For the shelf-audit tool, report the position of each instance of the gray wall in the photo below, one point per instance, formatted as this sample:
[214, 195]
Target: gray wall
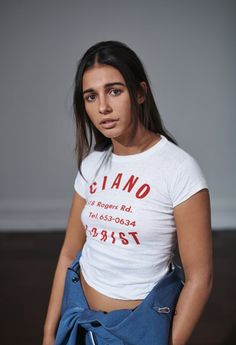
[188, 48]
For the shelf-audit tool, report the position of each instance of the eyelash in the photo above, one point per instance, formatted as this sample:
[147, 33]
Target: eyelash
[87, 98]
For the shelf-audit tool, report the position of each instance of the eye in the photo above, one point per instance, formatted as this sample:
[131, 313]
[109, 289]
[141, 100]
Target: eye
[115, 92]
[90, 98]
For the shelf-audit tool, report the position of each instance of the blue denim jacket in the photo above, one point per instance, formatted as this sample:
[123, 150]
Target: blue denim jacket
[147, 324]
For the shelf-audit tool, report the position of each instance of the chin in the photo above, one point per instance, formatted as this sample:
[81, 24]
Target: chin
[111, 134]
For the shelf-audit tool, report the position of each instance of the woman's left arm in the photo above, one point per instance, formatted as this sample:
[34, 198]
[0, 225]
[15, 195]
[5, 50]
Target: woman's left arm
[193, 224]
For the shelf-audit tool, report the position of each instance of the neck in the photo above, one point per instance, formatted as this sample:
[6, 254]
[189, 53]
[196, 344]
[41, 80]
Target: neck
[142, 141]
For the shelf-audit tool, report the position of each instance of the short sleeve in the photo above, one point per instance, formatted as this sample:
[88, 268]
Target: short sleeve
[187, 180]
[80, 185]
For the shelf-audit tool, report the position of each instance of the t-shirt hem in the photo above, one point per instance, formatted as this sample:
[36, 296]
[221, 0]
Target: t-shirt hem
[81, 194]
[115, 296]
[191, 193]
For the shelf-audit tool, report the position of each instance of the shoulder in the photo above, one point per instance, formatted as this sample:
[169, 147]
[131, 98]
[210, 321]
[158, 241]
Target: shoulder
[183, 172]
[174, 156]
[93, 161]
[173, 159]
[178, 162]
[90, 165]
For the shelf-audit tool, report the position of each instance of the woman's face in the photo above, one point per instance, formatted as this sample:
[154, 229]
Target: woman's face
[107, 100]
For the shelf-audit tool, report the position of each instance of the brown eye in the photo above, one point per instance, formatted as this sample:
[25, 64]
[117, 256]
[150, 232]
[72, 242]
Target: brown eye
[115, 92]
[90, 98]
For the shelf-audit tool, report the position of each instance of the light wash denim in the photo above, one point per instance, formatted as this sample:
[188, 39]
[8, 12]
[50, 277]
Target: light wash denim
[148, 324]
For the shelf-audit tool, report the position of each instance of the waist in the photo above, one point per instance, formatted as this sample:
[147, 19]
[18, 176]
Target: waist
[100, 302]
[122, 274]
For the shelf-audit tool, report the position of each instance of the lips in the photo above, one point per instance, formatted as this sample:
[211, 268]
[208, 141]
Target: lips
[108, 123]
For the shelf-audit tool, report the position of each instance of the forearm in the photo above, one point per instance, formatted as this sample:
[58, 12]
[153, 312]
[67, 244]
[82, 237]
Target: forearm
[54, 307]
[192, 300]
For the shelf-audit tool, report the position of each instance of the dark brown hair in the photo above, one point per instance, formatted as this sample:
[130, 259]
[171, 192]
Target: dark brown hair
[120, 56]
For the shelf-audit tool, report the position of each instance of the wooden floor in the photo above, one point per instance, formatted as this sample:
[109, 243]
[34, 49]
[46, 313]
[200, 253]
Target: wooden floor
[27, 263]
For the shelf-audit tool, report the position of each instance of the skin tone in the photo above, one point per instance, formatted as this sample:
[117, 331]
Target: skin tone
[108, 106]
[107, 103]
[106, 97]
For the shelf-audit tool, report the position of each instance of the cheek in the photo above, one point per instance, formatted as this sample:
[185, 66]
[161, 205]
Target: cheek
[87, 107]
[125, 110]
[90, 111]
[122, 105]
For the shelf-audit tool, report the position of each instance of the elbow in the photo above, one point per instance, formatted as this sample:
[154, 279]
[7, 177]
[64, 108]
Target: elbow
[208, 284]
[201, 282]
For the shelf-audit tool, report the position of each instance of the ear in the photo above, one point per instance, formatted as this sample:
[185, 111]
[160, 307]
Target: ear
[141, 96]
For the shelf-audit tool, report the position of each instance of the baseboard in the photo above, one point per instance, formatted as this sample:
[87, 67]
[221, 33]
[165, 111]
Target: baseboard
[223, 213]
[27, 215]
[43, 215]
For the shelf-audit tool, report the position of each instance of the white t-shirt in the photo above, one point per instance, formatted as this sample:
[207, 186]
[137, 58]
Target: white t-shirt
[128, 217]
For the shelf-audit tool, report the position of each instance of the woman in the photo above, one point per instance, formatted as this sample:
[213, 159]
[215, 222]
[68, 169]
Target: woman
[135, 194]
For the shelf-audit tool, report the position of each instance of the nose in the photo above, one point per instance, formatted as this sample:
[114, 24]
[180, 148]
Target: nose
[104, 107]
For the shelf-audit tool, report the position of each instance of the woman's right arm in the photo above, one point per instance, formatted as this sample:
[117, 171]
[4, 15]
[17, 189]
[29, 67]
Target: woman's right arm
[73, 242]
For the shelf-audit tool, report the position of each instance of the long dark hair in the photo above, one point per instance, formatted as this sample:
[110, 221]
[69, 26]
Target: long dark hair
[120, 56]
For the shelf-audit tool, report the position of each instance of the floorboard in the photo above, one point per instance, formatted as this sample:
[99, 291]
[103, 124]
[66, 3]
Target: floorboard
[27, 263]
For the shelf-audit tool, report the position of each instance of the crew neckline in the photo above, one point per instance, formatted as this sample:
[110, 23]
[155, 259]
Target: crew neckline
[136, 156]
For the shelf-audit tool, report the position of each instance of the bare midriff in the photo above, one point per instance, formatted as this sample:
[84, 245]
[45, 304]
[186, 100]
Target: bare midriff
[100, 302]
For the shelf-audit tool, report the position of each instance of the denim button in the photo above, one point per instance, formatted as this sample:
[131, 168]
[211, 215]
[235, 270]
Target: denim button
[162, 310]
[75, 279]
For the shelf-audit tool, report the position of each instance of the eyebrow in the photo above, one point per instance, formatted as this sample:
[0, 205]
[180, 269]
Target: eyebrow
[105, 86]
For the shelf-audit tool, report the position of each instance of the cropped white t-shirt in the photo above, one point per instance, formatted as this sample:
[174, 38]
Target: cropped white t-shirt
[128, 216]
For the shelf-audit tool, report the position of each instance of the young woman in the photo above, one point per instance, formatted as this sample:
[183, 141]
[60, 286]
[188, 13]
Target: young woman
[136, 193]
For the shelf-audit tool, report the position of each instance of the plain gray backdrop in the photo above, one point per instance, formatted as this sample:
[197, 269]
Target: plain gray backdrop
[188, 50]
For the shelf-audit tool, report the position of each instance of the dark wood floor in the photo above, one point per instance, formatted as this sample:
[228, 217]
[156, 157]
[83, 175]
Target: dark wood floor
[27, 263]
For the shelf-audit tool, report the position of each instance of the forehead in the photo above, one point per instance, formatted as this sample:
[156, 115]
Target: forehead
[99, 75]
